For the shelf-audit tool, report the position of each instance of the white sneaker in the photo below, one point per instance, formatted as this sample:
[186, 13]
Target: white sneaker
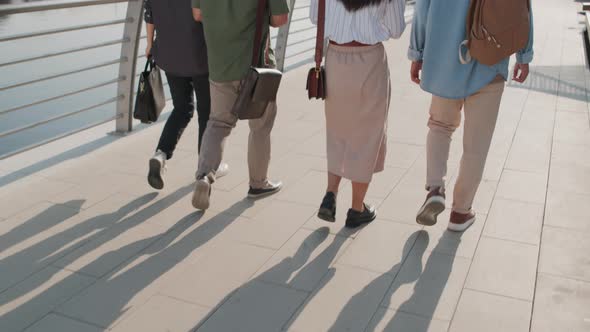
[202, 193]
[222, 170]
[460, 222]
[157, 168]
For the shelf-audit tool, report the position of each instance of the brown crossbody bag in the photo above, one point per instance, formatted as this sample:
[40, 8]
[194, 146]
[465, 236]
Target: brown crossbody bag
[316, 78]
[261, 84]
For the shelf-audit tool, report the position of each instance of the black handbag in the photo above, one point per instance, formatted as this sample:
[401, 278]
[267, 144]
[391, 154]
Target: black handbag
[150, 99]
[260, 85]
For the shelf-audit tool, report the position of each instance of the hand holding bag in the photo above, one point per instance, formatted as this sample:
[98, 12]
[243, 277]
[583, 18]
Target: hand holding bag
[150, 99]
[316, 78]
[261, 85]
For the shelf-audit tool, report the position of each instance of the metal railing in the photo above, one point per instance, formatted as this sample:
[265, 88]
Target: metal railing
[294, 45]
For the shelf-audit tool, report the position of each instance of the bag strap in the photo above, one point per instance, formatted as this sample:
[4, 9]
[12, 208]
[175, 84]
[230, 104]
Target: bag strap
[319, 41]
[258, 36]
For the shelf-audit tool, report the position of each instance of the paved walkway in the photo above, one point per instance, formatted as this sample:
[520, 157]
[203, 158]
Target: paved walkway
[85, 245]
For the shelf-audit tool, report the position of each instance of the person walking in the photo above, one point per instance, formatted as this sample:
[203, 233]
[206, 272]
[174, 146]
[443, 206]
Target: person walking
[176, 43]
[229, 27]
[438, 31]
[358, 96]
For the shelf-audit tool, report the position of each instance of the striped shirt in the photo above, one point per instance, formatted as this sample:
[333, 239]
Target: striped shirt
[368, 25]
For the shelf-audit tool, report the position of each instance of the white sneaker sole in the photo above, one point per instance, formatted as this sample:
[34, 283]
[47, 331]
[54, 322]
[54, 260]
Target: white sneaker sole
[428, 213]
[201, 195]
[461, 227]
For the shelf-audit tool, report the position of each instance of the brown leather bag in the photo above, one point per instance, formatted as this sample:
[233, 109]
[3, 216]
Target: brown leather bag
[316, 78]
[496, 29]
[261, 84]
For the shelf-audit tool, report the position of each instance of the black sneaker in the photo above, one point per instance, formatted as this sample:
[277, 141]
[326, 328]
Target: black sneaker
[355, 219]
[268, 189]
[327, 210]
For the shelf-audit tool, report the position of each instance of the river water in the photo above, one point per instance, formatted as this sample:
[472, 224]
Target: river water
[301, 39]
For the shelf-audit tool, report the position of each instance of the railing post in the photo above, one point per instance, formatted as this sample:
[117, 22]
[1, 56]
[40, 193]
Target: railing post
[282, 39]
[126, 87]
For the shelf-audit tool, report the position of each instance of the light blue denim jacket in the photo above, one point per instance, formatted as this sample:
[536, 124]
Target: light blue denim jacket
[437, 32]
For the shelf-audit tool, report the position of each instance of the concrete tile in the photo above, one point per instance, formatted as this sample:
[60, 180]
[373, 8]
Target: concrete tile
[428, 285]
[236, 203]
[494, 167]
[345, 300]
[403, 203]
[529, 152]
[490, 313]
[26, 193]
[565, 253]
[522, 186]
[114, 247]
[27, 226]
[387, 320]
[567, 210]
[569, 179]
[118, 294]
[484, 196]
[53, 322]
[162, 313]
[504, 268]
[256, 306]
[572, 128]
[402, 155]
[443, 241]
[308, 190]
[561, 305]
[379, 237]
[303, 261]
[273, 226]
[383, 183]
[515, 221]
[48, 244]
[570, 155]
[35, 297]
[213, 276]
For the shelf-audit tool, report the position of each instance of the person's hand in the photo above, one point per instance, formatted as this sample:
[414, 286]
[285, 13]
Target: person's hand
[415, 71]
[521, 72]
[148, 50]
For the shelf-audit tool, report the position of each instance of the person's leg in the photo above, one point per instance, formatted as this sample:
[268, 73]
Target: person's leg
[327, 209]
[259, 149]
[445, 117]
[359, 191]
[202, 91]
[181, 90]
[333, 183]
[481, 113]
[220, 125]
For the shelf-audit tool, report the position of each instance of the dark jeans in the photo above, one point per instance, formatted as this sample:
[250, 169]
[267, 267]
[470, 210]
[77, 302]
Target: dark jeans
[181, 89]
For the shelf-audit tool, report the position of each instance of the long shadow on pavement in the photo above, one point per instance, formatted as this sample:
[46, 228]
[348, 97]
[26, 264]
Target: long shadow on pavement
[126, 280]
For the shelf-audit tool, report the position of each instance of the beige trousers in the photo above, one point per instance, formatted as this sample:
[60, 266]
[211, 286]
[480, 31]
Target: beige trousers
[357, 105]
[481, 112]
[222, 121]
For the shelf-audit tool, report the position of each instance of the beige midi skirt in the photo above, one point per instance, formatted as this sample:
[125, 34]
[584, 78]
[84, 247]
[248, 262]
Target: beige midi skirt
[358, 94]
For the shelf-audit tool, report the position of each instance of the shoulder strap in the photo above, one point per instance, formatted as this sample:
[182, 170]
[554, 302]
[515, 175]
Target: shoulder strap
[258, 36]
[319, 41]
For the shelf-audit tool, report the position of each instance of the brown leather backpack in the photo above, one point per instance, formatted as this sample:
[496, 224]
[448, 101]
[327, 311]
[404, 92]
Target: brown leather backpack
[496, 29]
